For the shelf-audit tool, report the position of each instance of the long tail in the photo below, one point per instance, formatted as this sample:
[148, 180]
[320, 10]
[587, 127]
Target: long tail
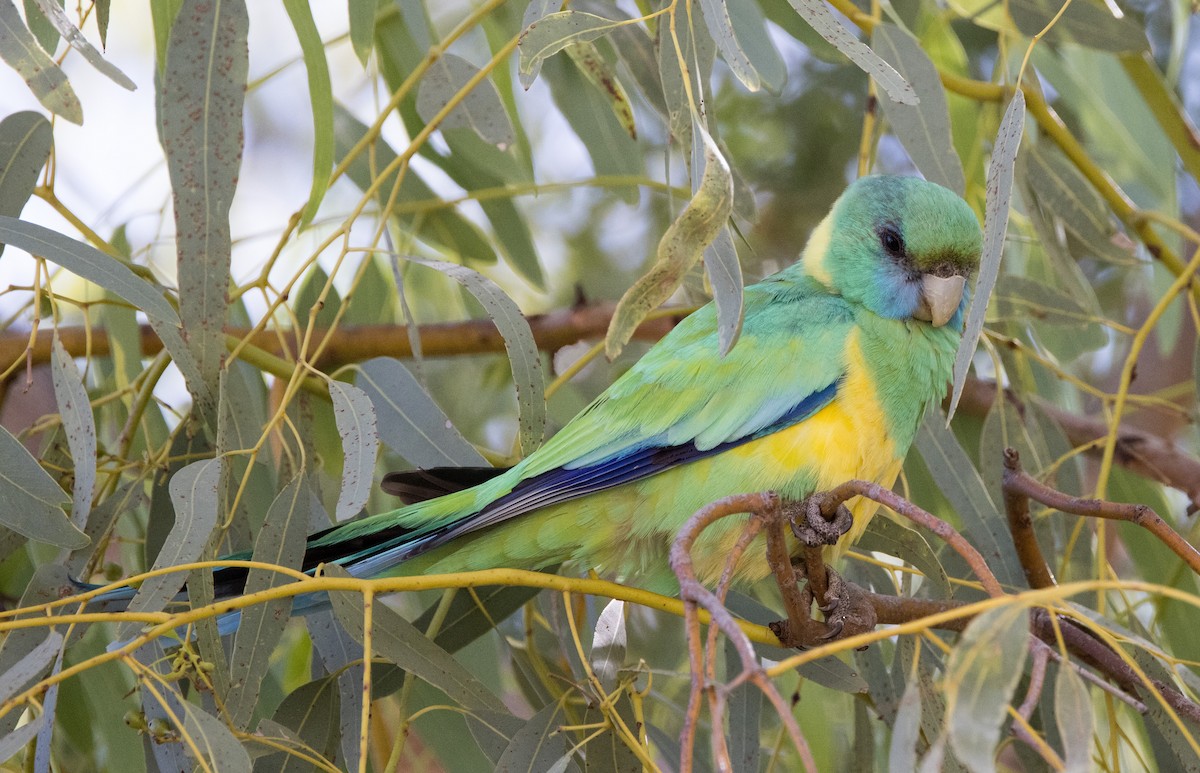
[410, 486]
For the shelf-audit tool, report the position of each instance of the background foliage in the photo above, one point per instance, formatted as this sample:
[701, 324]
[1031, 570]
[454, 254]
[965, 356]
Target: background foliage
[208, 363]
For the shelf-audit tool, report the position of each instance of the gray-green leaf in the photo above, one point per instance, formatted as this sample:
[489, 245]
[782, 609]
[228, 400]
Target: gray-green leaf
[999, 194]
[32, 500]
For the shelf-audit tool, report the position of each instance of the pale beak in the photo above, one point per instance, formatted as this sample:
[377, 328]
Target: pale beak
[940, 297]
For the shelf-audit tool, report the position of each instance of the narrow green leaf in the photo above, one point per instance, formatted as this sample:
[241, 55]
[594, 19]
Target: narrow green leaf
[31, 666]
[410, 422]
[400, 642]
[981, 675]
[725, 275]
[125, 499]
[523, 355]
[958, 479]
[1073, 714]
[537, 746]
[25, 142]
[320, 95]
[89, 263]
[681, 246]
[906, 730]
[1089, 24]
[750, 29]
[215, 742]
[925, 129]
[20, 738]
[45, 33]
[342, 657]
[473, 614]
[1072, 200]
[80, 426]
[32, 500]
[591, 114]
[720, 26]
[21, 51]
[821, 19]
[200, 99]
[355, 418]
[745, 716]
[362, 28]
[280, 542]
[1056, 320]
[194, 496]
[593, 66]
[480, 110]
[887, 536]
[553, 32]
[311, 712]
[70, 33]
[999, 194]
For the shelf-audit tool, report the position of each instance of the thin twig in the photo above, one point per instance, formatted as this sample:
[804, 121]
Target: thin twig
[1019, 482]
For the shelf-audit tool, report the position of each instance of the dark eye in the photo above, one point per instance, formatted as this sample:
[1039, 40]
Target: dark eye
[891, 240]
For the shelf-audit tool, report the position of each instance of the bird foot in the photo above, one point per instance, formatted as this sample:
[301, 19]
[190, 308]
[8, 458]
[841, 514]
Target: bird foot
[848, 611]
[811, 526]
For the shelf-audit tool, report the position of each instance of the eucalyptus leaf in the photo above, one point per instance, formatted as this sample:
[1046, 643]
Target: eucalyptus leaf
[720, 26]
[522, 350]
[320, 94]
[981, 675]
[70, 33]
[80, 426]
[215, 743]
[1073, 715]
[32, 500]
[551, 34]
[906, 730]
[956, 476]
[25, 142]
[400, 642]
[362, 27]
[410, 422]
[311, 712]
[21, 51]
[678, 250]
[200, 98]
[355, 418]
[745, 715]
[999, 194]
[593, 66]
[924, 129]
[609, 642]
[725, 274]
[281, 541]
[194, 496]
[31, 666]
[480, 110]
[538, 746]
[821, 19]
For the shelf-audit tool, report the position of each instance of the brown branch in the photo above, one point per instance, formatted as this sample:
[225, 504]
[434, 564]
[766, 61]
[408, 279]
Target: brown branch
[551, 331]
[1020, 525]
[1022, 484]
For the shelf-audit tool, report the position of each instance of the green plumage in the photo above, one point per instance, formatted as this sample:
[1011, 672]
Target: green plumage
[834, 367]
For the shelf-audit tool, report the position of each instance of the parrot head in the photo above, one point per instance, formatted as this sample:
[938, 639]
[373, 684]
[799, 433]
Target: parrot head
[900, 246]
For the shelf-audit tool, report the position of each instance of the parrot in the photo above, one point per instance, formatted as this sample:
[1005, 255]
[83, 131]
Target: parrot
[838, 357]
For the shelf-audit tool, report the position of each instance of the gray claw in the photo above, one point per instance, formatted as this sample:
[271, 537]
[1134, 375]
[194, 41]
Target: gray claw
[811, 527]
